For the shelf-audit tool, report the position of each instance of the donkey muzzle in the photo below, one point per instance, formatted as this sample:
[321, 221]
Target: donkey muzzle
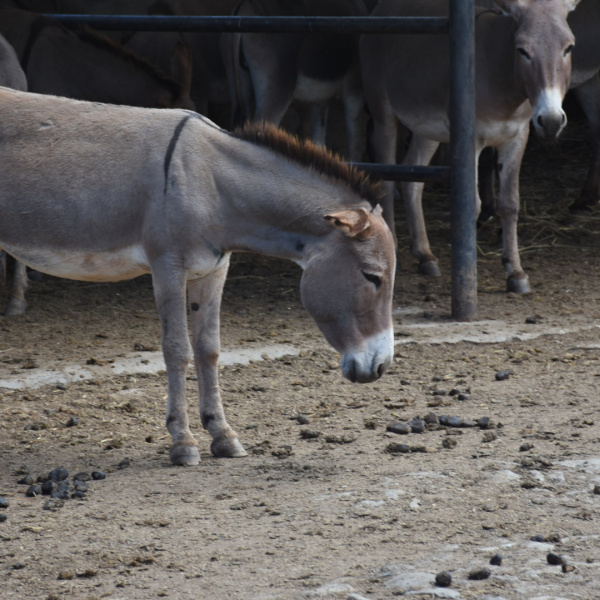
[371, 363]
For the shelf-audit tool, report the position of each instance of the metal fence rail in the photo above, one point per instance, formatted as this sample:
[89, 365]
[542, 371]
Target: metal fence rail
[461, 27]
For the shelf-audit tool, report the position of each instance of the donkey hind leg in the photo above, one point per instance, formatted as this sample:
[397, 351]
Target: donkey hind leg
[16, 301]
[169, 292]
[205, 302]
[588, 95]
[510, 155]
[420, 152]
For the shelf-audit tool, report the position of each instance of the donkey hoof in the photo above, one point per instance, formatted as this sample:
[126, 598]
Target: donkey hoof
[518, 284]
[184, 455]
[15, 307]
[430, 268]
[227, 448]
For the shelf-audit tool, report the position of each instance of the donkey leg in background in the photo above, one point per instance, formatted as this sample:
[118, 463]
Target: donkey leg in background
[169, 292]
[420, 152]
[588, 95]
[204, 296]
[16, 300]
[510, 155]
[354, 115]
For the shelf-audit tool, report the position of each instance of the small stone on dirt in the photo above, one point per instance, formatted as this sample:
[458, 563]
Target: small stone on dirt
[496, 560]
[443, 579]
[72, 422]
[22, 470]
[449, 443]
[431, 419]
[309, 434]
[65, 576]
[97, 475]
[525, 447]
[27, 480]
[3, 517]
[4, 503]
[54, 504]
[451, 421]
[489, 436]
[567, 568]
[479, 574]
[303, 419]
[126, 462]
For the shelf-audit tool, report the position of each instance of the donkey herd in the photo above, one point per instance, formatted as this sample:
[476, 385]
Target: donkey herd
[99, 182]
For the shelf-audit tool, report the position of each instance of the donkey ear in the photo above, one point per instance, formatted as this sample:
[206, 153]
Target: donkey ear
[572, 4]
[353, 222]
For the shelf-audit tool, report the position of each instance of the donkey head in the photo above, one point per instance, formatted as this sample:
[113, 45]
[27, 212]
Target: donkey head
[347, 288]
[543, 44]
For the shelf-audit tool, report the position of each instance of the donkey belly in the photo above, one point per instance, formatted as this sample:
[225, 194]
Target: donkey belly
[114, 265]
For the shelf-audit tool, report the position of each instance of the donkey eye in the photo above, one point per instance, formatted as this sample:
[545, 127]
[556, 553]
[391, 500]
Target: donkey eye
[569, 49]
[374, 279]
[524, 53]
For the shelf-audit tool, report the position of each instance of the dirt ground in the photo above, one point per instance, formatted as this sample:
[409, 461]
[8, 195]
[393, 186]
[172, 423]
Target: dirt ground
[328, 504]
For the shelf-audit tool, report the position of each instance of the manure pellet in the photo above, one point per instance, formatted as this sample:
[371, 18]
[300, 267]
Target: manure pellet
[4, 503]
[525, 447]
[82, 476]
[80, 486]
[484, 423]
[479, 574]
[555, 559]
[496, 560]
[3, 517]
[431, 419]
[97, 475]
[397, 449]
[27, 480]
[538, 537]
[79, 494]
[462, 397]
[34, 490]
[443, 579]
[399, 428]
[303, 419]
[48, 487]
[60, 494]
[502, 375]
[417, 425]
[59, 474]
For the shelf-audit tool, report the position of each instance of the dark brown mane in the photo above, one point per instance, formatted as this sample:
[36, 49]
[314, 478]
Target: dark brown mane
[312, 155]
[86, 34]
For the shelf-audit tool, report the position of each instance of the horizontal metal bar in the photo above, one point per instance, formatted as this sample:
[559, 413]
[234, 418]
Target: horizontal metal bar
[420, 25]
[405, 172]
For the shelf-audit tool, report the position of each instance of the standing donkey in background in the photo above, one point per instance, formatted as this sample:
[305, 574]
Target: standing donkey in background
[103, 193]
[276, 69]
[523, 66]
[12, 76]
[87, 66]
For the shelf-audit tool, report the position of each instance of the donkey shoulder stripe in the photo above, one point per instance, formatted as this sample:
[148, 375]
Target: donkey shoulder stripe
[171, 146]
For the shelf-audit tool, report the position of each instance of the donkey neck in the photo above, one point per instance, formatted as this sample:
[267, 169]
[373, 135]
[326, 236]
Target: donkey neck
[275, 206]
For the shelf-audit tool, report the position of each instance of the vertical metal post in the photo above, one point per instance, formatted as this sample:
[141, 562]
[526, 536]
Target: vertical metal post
[463, 165]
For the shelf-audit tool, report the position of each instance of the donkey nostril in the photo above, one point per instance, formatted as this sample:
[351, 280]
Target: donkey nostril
[540, 121]
[380, 370]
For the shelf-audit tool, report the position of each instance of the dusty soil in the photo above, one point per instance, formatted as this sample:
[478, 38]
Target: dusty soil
[336, 515]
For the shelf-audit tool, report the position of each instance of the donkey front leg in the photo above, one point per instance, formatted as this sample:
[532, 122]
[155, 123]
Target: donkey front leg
[205, 303]
[420, 152]
[169, 291]
[510, 155]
